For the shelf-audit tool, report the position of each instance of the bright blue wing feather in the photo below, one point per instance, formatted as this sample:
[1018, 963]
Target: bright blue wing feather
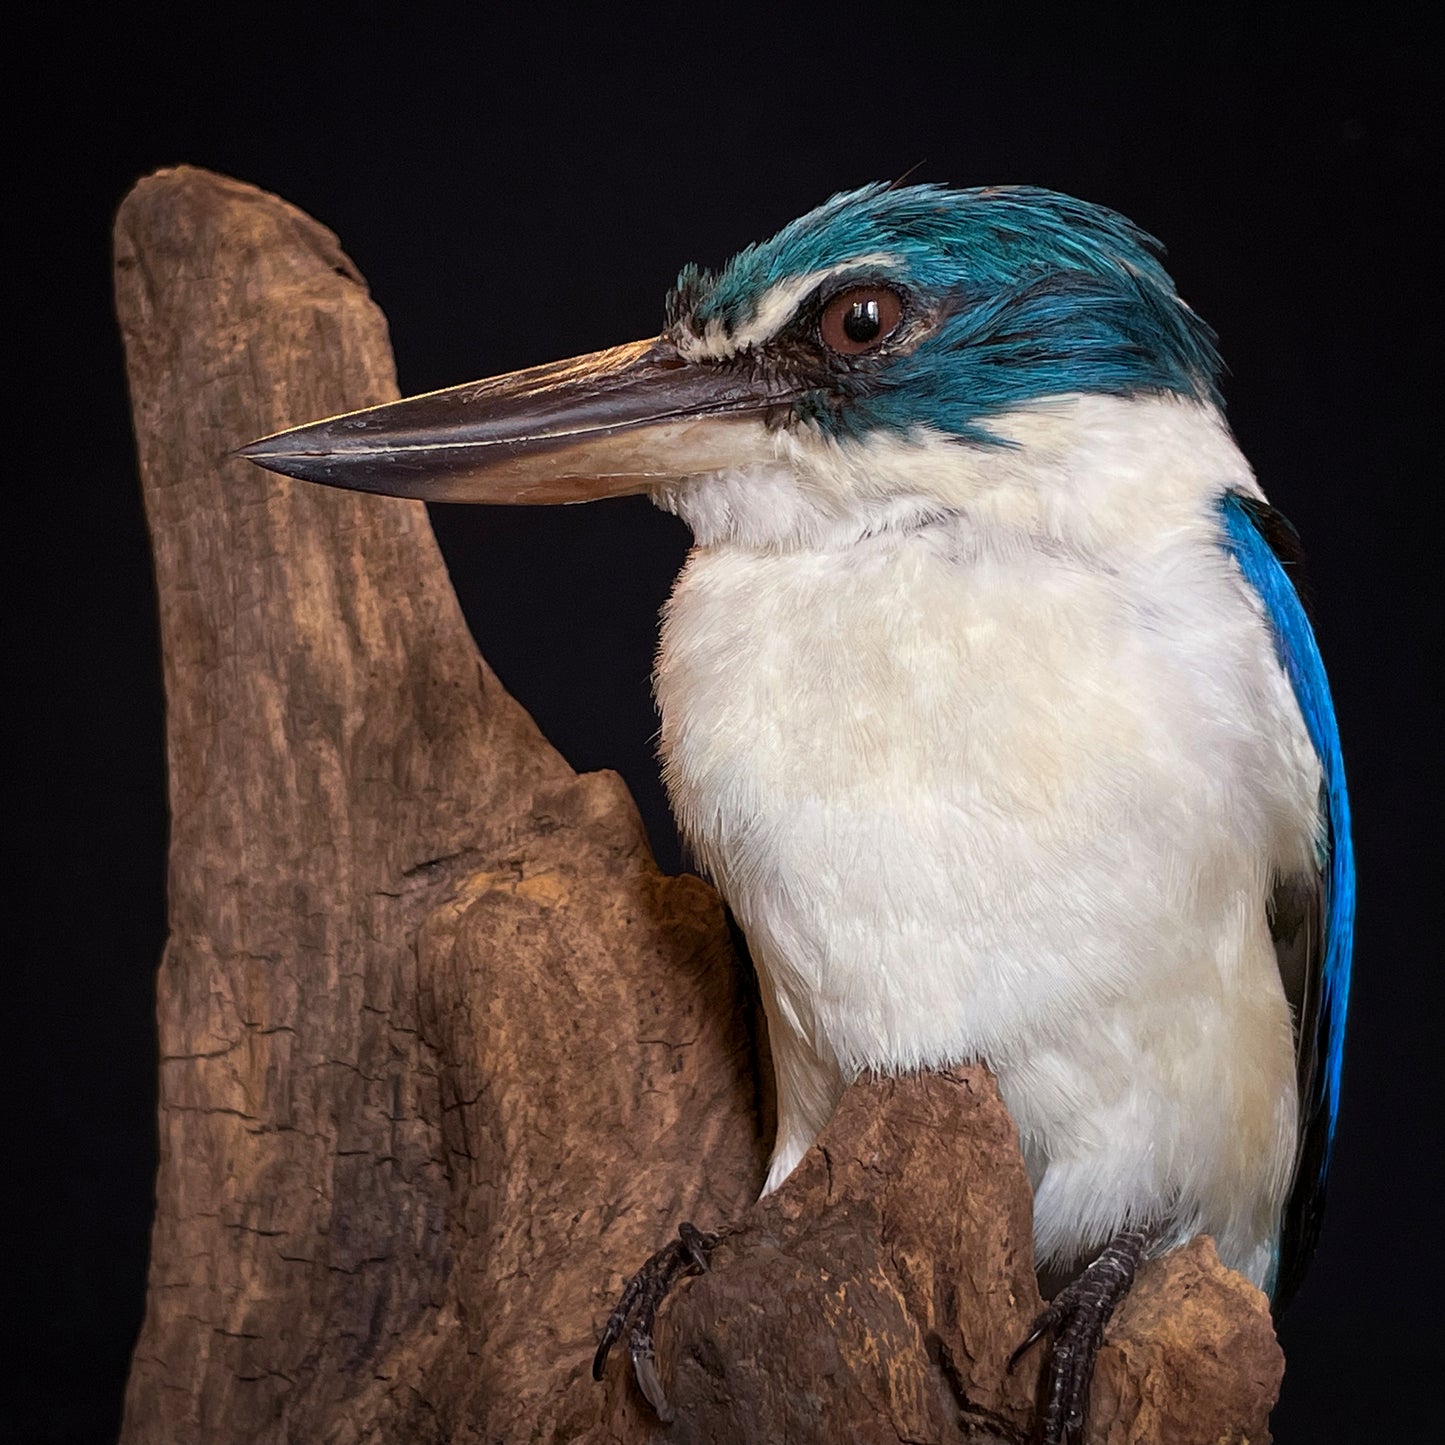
[1321, 1026]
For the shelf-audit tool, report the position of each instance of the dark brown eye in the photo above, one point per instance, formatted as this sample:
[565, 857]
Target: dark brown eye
[860, 320]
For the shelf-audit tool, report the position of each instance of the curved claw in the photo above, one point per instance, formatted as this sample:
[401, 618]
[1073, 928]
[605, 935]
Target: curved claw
[644, 1367]
[604, 1348]
[644, 1293]
[697, 1244]
[1041, 1326]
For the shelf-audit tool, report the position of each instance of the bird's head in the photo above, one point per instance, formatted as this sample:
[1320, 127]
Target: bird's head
[848, 367]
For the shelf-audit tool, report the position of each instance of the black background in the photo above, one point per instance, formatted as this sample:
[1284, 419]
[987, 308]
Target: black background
[520, 188]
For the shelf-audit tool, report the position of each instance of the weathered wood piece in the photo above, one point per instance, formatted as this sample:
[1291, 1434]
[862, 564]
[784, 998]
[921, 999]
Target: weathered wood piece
[878, 1295]
[444, 1057]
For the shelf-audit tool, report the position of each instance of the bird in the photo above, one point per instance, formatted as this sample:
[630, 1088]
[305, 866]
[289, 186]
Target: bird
[989, 700]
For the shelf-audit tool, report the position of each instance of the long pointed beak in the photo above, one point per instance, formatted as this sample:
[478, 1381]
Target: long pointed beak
[607, 424]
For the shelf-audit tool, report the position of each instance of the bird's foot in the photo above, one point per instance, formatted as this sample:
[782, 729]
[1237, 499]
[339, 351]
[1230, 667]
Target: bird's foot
[1075, 1320]
[645, 1291]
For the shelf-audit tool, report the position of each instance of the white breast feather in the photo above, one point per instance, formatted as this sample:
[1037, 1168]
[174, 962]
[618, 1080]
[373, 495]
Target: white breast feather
[989, 752]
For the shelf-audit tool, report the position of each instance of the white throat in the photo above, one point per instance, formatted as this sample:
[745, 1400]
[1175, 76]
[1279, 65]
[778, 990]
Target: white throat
[1075, 470]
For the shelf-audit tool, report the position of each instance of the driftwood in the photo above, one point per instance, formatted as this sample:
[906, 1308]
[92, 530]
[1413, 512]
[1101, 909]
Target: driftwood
[445, 1057]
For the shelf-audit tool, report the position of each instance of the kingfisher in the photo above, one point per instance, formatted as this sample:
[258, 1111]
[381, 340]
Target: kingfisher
[989, 698]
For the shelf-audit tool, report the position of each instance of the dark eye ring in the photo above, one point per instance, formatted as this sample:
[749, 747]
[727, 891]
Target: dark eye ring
[860, 319]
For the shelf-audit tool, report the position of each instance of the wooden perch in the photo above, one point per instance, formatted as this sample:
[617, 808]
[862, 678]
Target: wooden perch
[444, 1057]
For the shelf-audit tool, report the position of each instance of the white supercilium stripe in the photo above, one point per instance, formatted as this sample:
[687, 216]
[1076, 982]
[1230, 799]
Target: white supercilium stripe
[777, 307]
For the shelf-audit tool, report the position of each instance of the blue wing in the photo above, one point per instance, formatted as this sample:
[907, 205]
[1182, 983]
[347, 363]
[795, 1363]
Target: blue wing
[1313, 919]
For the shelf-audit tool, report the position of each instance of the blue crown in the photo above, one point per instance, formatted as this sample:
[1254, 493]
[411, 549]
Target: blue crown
[1029, 294]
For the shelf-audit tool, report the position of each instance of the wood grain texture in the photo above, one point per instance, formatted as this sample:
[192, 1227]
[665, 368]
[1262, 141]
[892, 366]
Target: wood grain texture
[444, 1057]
